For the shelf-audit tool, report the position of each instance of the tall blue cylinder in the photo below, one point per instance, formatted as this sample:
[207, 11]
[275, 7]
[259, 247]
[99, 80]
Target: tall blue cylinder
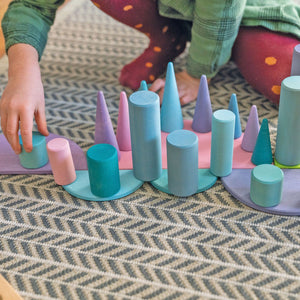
[144, 114]
[222, 137]
[182, 158]
[288, 139]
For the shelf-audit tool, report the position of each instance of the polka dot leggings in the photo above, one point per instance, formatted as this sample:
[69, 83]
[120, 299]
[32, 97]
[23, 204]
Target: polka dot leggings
[264, 59]
[167, 38]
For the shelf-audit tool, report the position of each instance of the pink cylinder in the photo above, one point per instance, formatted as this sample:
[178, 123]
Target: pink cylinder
[61, 161]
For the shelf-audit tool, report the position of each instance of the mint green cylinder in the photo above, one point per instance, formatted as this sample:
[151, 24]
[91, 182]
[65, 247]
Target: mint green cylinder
[222, 139]
[103, 170]
[38, 157]
[266, 185]
[287, 150]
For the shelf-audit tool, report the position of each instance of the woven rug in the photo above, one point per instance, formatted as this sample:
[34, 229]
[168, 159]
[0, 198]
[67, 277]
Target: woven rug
[148, 245]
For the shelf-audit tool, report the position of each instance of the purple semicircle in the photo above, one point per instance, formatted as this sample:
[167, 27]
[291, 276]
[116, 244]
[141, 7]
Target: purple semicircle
[10, 163]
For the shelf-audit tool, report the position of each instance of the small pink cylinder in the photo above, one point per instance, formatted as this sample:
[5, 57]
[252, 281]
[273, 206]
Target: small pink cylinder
[61, 161]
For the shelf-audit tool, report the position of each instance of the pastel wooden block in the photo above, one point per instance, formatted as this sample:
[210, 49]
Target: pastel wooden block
[203, 110]
[103, 170]
[233, 106]
[287, 150]
[170, 113]
[38, 157]
[144, 112]
[238, 185]
[266, 185]
[123, 127]
[222, 141]
[182, 157]
[61, 161]
[251, 130]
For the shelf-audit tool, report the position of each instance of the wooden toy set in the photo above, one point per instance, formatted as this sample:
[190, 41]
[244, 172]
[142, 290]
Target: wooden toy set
[179, 157]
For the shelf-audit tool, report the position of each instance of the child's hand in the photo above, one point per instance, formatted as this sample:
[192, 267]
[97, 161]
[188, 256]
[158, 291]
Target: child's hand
[22, 99]
[187, 85]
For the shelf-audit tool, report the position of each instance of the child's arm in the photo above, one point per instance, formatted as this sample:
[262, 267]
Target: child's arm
[25, 27]
[23, 97]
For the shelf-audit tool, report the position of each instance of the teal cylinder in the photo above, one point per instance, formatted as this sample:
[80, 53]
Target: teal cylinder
[144, 114]
[287, 150]
[222, 138]
[266, 185]
[182, 159]
[103, 170]
[38, 157]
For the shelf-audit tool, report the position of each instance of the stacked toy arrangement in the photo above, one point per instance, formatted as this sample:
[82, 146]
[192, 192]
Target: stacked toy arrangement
[180, 157]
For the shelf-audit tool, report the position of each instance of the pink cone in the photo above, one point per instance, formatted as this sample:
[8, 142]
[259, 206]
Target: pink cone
[123, 128]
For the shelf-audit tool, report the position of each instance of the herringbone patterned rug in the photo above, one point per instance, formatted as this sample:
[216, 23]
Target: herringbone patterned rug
[148, 245]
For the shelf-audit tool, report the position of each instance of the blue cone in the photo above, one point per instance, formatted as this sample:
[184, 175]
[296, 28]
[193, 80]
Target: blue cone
[170, 113]
[143, 86]
[233, 106]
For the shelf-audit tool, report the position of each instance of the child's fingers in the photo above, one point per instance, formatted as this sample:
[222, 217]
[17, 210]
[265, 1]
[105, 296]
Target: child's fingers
[41, 123]
[157, 85]
[11, 132]
[3, 122]
[26, 125]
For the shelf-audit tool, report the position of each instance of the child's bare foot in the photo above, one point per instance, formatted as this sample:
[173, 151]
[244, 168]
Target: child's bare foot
[153, 62]
[187, 85]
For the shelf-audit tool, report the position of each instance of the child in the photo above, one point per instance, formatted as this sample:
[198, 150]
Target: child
[261, 34]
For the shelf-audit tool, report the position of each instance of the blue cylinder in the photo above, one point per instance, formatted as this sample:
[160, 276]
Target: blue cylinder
[103, 170]
[182, 158]
[287, 150]
[38, 157]
[144, 114]
[222, 137]
[266, 185]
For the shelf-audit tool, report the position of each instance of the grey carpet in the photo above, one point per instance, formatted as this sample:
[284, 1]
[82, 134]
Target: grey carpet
[148, 245]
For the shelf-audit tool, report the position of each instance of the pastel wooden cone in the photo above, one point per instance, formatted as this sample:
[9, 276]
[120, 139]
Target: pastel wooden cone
[203, 111]
[104, 131]
[233, 106]
[143, 86]
[170, 113]
[262, 153]
[123, 127]
[251, 131]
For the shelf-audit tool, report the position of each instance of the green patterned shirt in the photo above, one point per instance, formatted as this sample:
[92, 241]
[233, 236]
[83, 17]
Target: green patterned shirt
[214, 25]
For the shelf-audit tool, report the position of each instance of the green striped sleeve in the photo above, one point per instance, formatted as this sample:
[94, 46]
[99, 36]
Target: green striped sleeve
[215, 27]
[29, 22]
